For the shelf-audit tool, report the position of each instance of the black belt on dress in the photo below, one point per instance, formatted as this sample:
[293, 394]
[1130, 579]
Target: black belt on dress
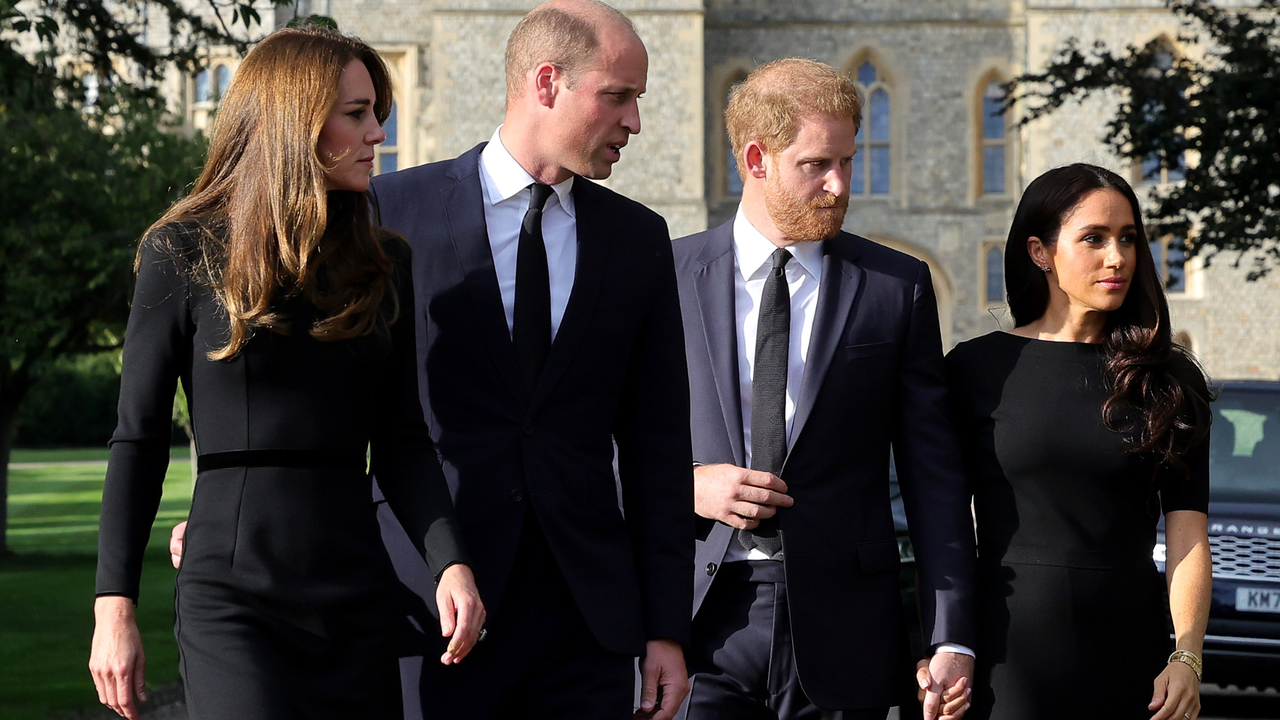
[328, 459]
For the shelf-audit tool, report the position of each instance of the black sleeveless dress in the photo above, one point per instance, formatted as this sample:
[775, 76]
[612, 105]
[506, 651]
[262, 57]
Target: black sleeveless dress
[1073, 616]
[285, 595]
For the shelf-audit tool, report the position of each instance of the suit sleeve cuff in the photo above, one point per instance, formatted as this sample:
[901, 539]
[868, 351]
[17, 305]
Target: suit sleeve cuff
[954, 648]
[447, 566]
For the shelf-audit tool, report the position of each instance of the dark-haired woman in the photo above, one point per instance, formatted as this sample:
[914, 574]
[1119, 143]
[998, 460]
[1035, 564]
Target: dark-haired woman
[288, 319]
[1081, 427]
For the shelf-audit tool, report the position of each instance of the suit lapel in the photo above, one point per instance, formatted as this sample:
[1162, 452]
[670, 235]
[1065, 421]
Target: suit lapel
[464, 211]
[841, 278]
[588, 278]
[714, 284]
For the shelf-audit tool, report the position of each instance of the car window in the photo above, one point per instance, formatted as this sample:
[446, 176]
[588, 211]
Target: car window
[1244, 450]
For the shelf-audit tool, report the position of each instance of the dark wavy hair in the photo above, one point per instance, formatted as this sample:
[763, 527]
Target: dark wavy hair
[1159, 397]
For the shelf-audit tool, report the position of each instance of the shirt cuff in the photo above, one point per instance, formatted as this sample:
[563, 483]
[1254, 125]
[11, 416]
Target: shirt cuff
[954, 648]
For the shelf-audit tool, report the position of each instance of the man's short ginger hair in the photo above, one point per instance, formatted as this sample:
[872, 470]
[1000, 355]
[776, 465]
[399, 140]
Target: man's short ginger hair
[767, 107]
[562, 37]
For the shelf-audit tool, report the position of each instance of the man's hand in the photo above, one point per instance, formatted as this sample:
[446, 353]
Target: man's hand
[175, 543]
[946, 684]
[662, 666]
[461, 612]
[737, 496]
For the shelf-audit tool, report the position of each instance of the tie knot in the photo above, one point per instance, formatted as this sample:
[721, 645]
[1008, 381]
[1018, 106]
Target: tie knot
[538, 199]
[780, 258]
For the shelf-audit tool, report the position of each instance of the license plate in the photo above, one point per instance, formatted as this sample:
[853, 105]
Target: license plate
[1255, 600]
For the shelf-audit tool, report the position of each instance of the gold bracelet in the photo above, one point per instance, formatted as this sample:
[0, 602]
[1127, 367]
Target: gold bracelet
[1190, 659]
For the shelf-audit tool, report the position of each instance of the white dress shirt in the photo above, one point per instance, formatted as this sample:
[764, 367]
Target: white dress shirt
[753, 259]
[506, 200]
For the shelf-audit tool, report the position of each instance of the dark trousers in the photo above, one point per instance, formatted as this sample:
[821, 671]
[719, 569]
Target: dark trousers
[741, 663]
[539, 659]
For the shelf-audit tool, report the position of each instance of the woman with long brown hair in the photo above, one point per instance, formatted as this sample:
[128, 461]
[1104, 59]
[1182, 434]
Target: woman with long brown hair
[288, 319]
[1081, 427]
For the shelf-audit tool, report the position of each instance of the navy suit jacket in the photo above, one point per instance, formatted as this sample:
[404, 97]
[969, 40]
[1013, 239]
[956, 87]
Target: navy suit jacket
[873, 380]
[615, 374]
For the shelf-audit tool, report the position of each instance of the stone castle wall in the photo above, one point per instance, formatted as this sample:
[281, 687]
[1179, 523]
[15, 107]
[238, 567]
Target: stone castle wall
[460, 88]
[936, 57]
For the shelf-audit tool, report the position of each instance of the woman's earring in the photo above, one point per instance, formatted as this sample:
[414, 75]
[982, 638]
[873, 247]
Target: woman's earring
[1045, 268]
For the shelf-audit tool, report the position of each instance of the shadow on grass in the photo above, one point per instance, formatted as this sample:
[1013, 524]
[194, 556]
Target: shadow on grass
[47, 589]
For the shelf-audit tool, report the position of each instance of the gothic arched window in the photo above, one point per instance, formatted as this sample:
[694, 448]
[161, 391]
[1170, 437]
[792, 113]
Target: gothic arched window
[732, 178]
[222, 76]
[995, 274]
[388, 153]
[1169, 255]
[872, 171]
[203, 92]
[995, 143]
[1154, 168]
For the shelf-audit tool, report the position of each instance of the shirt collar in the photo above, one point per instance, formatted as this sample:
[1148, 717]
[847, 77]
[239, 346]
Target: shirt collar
[508, 179]
[754, 250]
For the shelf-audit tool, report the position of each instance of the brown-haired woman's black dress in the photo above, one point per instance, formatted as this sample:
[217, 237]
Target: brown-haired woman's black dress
[284, 596]
[1073, 619]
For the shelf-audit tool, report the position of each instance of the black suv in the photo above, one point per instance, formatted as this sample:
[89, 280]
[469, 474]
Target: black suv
[1242, 645]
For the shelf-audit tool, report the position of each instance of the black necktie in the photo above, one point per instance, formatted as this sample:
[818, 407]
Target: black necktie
[531, 325]
[769, 394]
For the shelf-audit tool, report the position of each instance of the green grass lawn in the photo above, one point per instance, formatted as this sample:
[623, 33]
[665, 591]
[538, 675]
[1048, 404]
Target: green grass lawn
[58, 455]
[46, 592]
[73, 454]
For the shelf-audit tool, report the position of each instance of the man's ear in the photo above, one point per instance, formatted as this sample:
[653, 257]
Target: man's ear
[546, 80]
[755, 159]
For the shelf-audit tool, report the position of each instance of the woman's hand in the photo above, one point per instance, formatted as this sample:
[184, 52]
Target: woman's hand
[461, 612]
[1177, 693]
[117, 661]
[1189, 573]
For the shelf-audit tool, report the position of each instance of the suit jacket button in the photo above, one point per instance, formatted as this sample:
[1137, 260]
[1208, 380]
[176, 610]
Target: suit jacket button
[528, 429]
[711, 568]
[516, 496]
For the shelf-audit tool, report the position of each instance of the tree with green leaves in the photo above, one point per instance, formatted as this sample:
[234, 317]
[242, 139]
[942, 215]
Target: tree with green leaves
[89, 159]
[76, 201]
[1212, 120]
[110, 39]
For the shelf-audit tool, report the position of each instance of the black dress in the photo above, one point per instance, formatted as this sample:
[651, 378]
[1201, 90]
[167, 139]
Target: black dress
[284, 597]
[1073, 618]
